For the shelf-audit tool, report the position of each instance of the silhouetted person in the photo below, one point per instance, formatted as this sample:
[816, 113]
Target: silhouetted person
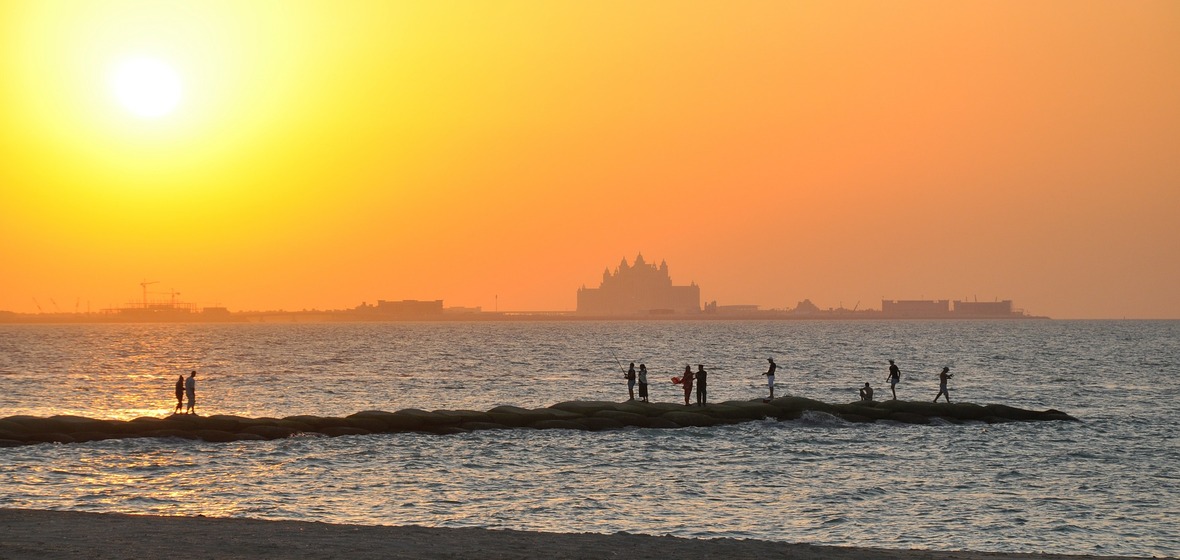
[866, 392]
[894, 378]
[190, 388]
[686, 381]
[630, 375]
[942, 392]
[643, 383]
[702, 385]
[179, 394]
[770, 376]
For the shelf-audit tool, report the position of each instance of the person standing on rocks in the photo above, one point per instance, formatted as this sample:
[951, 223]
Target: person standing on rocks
[702, 385]
[179, 394]
[770, 376]
[643, 383]
[686, 381]
[630, 375]
[894, 378]
[942, 392]
[190, 388]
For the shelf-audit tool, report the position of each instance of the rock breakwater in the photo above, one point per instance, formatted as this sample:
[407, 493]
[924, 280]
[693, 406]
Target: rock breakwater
[570, 415]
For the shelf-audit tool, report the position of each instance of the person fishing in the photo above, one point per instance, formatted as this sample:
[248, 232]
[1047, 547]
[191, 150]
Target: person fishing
[630, 375]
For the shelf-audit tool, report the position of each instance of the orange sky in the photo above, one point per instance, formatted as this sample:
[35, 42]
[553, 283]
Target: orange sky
[772, 151]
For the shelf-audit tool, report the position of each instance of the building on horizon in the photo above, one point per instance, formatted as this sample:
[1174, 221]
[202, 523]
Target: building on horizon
[916, 309]
[404, 309]
[639, 289]
[1001, 308]
[944, 308]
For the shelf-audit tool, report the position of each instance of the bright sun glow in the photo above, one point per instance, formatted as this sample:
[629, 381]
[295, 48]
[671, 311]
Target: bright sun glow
[146, 87]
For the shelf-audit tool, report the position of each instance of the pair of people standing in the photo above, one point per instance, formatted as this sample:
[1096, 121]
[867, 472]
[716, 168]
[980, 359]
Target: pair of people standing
[639, 378]
[186, 387]
[701, 377]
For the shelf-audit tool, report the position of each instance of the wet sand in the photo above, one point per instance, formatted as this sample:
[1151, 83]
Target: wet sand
[29, 534]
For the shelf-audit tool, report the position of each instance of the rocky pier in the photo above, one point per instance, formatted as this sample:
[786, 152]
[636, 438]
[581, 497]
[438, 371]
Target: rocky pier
[570, 415]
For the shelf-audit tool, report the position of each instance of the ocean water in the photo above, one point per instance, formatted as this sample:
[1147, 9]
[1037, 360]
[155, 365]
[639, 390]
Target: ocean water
[1107, 485]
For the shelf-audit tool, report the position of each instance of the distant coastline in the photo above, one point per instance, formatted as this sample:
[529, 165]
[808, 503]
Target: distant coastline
[444, 315]
[638, 291]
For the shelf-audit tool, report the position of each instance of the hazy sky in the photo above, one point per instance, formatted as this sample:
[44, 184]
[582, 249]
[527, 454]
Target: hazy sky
[321, 154]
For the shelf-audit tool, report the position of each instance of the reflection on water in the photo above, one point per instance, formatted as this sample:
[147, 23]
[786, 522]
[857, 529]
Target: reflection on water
[962, 487]
[1056, 487]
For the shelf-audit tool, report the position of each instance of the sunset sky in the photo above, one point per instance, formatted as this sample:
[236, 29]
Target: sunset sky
[293, 155]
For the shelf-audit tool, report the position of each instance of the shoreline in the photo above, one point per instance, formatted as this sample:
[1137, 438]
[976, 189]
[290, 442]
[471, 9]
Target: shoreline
[36, 534]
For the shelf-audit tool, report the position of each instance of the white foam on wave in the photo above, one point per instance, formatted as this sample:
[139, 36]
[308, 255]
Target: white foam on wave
[821, 419]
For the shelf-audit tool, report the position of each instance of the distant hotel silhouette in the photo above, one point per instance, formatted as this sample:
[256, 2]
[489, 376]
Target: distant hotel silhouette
[639, 289]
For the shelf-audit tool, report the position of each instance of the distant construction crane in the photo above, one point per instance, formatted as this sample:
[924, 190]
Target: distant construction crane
[144, 285]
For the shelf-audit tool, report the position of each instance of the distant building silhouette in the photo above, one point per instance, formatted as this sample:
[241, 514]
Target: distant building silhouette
[943, 308]
[404, 309]
[639, 289]
[916, 309]
[985, 308]
[805, 307]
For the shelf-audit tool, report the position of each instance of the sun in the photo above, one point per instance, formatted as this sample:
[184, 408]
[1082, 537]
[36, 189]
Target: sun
[146, 87]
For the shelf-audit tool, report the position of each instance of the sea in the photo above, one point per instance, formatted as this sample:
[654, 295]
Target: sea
[1107, 485]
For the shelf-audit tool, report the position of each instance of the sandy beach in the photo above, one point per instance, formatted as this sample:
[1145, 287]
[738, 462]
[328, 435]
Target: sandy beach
[29, 534]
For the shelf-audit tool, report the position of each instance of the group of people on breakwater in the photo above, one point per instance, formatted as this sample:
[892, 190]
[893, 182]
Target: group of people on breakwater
[699, 379]
[701, 375]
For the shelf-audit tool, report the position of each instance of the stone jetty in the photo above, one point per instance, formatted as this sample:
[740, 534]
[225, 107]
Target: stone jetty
[570, 415]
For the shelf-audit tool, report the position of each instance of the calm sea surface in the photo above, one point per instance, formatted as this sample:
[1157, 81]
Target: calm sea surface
[1109, 485]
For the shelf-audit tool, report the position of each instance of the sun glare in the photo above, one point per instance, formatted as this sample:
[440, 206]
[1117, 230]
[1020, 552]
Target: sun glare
[146, 87]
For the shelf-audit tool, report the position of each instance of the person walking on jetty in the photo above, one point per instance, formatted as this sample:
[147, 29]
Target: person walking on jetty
[643, 383]
[630, 375]
[702, 377]
[770, 376]
[686, 382]
[179, 394]
[866, 393]
[942, 392]
[190, 389]
[894, 378]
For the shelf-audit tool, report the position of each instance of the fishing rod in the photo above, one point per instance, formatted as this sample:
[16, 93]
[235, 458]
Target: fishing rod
[621, 368]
